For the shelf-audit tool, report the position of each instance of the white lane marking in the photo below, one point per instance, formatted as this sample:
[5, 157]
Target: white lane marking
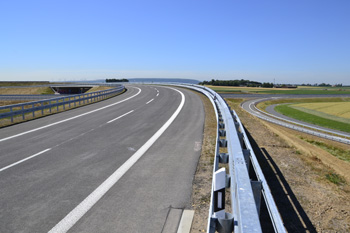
[157, 94]
[79, 211]
[150, 101]
[120, 117]
[21, 161]
[58, 122]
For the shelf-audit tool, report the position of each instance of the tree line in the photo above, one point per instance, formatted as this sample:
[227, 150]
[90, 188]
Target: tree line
[236, 83]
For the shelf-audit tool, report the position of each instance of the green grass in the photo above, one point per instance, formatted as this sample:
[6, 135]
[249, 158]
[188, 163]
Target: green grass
[286, 110]
[47, 91]
[335, 151]
[335, 179]
[264, 104]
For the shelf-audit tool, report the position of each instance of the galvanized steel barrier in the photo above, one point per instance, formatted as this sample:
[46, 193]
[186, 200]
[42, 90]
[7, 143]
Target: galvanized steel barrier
[11, 111]
[246, 187]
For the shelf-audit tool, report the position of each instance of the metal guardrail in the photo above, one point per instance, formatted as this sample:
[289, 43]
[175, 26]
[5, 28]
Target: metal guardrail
[293, 125]
[11, 111]
[245, 190]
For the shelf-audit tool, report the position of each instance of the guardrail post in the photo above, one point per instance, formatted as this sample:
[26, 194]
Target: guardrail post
[224, 222]
[246, 154]
[257, 187]
[11, 114]
[222, 133]
[219, 193]
[223, 158]
[50, 105]
[42, 108]
[33, 110]
[23, 116]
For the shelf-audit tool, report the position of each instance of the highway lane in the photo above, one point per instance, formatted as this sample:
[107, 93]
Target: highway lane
[79, 154]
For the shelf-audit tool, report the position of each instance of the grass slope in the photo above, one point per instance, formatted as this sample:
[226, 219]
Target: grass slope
[316, 120]
[340, 109]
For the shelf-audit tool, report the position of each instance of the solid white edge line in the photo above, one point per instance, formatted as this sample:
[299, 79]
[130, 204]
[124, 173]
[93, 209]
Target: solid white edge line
[21, 161]
[58, 122]
[150, 101]
[79, 211]
[120, 117]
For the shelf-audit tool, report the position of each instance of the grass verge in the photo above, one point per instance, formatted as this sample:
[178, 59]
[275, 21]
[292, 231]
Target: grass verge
[337, 152]
[286, 110]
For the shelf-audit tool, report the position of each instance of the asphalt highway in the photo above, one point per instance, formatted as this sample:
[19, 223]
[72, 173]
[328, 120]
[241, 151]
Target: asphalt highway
[125, 164]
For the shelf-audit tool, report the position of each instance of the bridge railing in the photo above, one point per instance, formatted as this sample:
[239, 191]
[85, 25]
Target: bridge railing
[29, 109]
[248, 189]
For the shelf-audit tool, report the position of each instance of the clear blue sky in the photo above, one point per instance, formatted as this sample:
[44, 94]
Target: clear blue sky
[292, 41]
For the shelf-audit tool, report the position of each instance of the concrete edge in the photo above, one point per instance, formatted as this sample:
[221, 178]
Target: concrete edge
[186, 221]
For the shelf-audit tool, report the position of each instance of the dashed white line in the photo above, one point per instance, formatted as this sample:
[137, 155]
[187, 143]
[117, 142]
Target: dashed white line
[21, 161]
[150, 101]
[58, 122]
[79, 211]
[120, 117]
[157, 94]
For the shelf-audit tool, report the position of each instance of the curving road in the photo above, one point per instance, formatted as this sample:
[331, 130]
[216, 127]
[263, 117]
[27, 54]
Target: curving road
[279, 119]
[121, 165]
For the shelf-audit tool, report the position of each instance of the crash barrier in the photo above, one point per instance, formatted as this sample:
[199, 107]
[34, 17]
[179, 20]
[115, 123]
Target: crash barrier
[244, 178]
[22, 109]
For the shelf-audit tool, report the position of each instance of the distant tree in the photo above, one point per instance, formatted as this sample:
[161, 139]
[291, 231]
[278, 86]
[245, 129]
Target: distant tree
[267, 85]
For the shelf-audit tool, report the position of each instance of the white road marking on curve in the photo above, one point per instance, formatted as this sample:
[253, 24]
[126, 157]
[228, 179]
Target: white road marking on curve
[150, 101]
[120, 117]
[79, 211]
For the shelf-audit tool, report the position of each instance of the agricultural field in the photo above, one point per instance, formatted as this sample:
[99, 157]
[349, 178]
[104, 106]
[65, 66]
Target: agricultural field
[339, 111]
[300, 90]
[333, 115]
[7, 84]
[26, 91]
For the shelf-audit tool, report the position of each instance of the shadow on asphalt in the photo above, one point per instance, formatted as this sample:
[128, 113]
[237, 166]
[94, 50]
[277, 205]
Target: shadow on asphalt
[293, 215]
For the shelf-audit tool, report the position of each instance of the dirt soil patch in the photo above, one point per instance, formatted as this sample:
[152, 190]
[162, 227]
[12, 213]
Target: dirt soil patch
[203, 178]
